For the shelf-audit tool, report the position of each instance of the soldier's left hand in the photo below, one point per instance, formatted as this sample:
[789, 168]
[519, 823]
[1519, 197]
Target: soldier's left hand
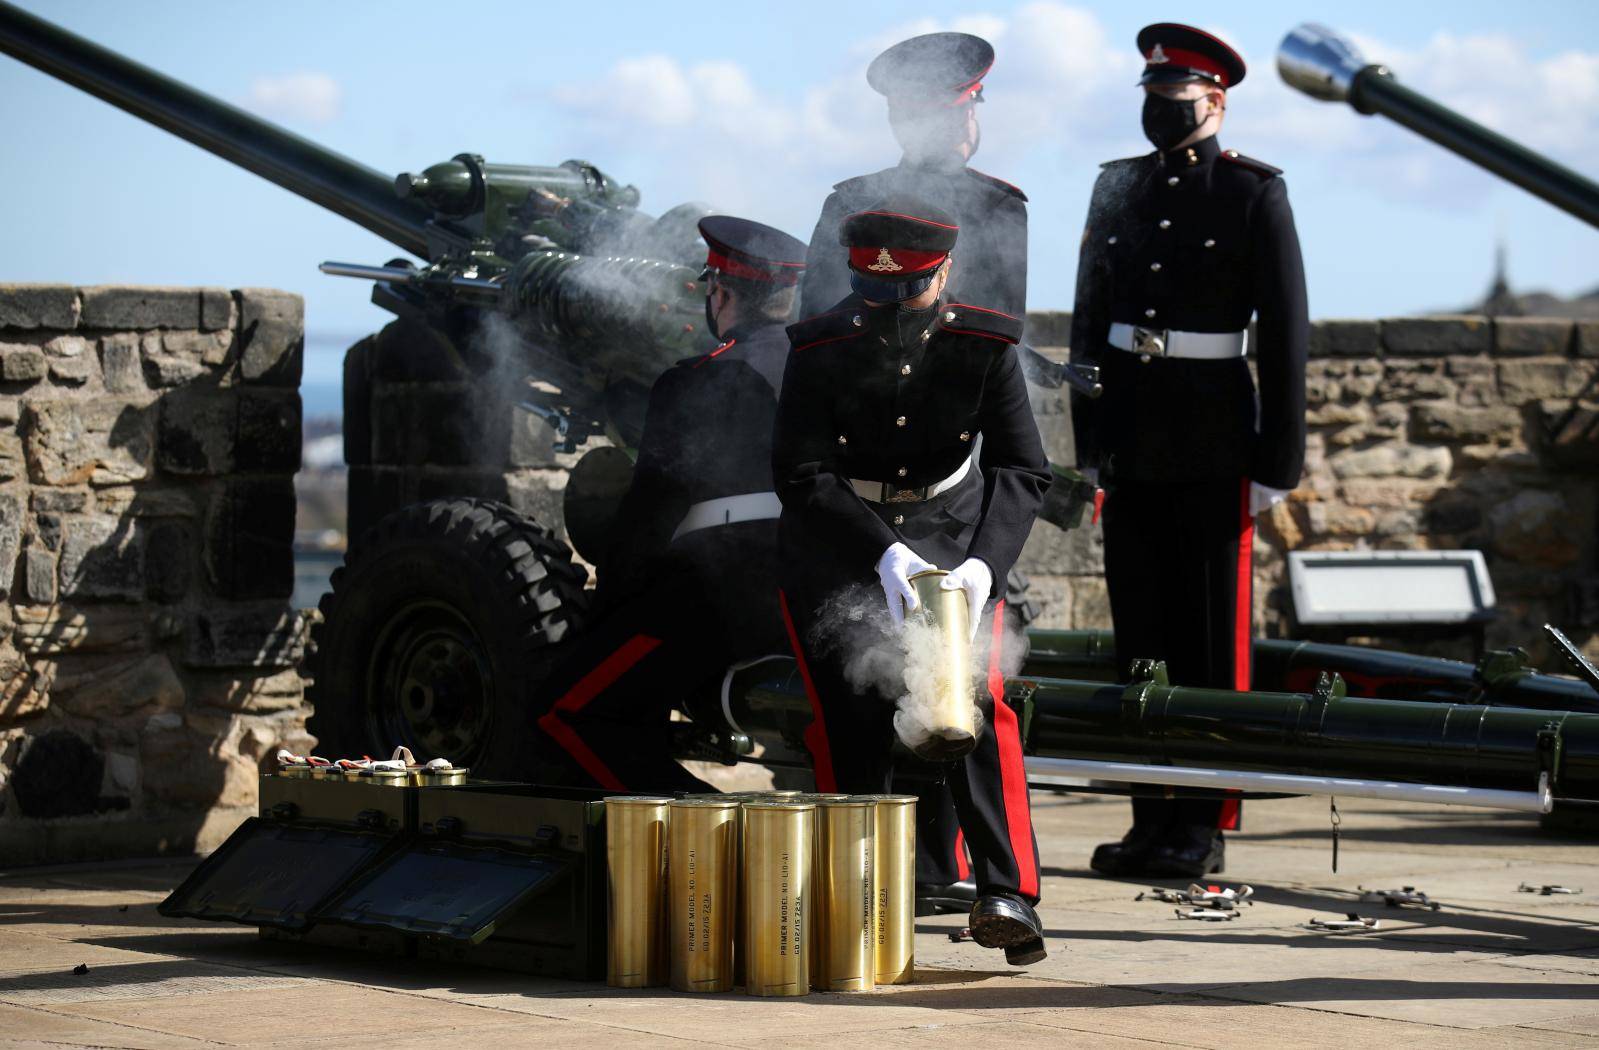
[975, 578]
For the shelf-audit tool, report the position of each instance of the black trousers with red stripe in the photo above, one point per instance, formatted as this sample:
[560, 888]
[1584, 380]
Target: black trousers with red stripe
[851, 742]
[608, 704]
[1177, 565]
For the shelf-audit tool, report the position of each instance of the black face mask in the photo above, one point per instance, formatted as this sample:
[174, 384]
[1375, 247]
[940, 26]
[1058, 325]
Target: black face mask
[710, 320]
[1167, 121]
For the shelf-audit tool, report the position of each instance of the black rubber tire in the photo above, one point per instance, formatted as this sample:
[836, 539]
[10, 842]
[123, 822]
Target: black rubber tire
[436, 631]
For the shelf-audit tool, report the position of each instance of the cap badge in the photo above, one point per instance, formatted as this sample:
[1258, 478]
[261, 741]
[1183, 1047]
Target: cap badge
[1158, 56]
[885, 262]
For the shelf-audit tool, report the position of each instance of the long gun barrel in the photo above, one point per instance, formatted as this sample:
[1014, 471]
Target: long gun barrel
[343, 186]
[1327, 66]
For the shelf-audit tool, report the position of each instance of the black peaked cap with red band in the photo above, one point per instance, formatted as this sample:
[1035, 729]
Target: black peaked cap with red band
[935, 68]
[1174, 53]
[896, 247]
[751, 251]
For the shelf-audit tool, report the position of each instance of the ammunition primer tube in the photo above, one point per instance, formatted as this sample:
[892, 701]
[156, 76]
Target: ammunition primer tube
[703, 874]
[635, 854]
[846, 903]
[894, 883]
[778, 840]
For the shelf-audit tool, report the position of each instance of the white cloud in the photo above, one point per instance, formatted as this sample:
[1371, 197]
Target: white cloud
[306, 96]
[1061, 97]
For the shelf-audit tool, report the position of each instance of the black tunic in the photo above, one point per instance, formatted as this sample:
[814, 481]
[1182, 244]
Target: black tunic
[909, 414]
[1195, 240]
[990, 265]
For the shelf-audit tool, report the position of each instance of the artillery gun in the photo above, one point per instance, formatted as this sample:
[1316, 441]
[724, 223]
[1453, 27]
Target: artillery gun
[441, 619]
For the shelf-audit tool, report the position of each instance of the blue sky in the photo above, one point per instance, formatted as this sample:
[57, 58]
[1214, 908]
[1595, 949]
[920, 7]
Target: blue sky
[758, 108]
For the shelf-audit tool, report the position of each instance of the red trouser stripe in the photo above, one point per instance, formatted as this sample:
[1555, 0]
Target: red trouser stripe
[1012, 767]
[1232, 809]
[816, 733]
[963, 867]
[588, 687]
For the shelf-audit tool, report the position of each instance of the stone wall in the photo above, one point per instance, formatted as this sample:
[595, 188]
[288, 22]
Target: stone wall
[148, 443]
[1446, 432]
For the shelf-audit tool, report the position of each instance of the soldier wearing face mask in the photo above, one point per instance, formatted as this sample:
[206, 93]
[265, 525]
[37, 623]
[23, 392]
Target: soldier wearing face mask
[933, 84]
[884, 401]
[1182, 248]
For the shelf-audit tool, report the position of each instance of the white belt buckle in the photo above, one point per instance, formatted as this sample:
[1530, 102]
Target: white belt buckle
[1150, 342]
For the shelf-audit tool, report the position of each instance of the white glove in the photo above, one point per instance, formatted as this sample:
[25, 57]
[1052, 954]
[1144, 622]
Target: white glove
[894, 570]
[1263, 498]
[976, 579]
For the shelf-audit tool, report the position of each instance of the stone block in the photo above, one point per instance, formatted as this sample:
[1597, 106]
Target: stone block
[437, 425]
[1049, 328]
[271, 337]
[13, 457]
[1390, 460]
[1532, 336]
[1050, 551]
[168, 561]
[414, 352]
[59, 775]
[1451, 422]
[10, 411]
[49, 630]
[145, 685]
[1436, 336]
[106, 441]
[22, 363]
[1587, 340]
[1538, 527]
[197, 432]
[1338, 519]
[1534, 379]
[122, 364]
[532, 441]
[1341, 338]
[256, 635]
[39, 576]
[1407, 380]
[1571, 433]
[268, 438]
[249, 540]
[216, 309]
[38, 306]
[123, 307]
[103, 557]
[71, 359]
[58, 501]
[251, 695]
[175, 358]
[10, 537]
[150, 502]
[1090, 603]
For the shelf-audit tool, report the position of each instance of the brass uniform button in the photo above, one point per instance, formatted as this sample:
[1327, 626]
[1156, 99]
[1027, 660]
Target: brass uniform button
[1165, 224]
[949, 317]
[899, 519]
[902, 472]
[1155, 266]
[842, 440]
[856, 320]
[1174, 180]
[1111, 239]
[905, 370]
[966, 435]
[900, 421]
[1210, 244]
[1149, 312]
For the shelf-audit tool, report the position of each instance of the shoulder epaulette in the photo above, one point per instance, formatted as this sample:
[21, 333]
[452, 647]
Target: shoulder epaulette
[695, 362]
[979, 320]
[1259, 167]
[825, 328]
[1000, 184]
[860, 182]
[1124, 160]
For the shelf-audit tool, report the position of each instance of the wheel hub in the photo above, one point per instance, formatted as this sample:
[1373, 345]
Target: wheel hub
[430, 685]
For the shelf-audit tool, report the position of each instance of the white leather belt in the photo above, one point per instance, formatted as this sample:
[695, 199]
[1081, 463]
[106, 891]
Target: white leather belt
[729, 510]
[1162, 342]
[885, 492]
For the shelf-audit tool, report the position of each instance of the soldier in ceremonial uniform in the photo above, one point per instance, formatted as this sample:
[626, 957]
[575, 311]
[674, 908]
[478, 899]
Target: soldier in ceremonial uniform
[884, 400]
[933, 84]
[688, 587]
[1182, 247]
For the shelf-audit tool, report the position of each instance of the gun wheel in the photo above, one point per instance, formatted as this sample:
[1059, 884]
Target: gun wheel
[440, 624]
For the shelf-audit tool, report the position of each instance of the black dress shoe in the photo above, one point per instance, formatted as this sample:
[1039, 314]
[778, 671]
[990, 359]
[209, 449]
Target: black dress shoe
[1130, 856]
[951, 897]
[1192, 853]
[1000, 920]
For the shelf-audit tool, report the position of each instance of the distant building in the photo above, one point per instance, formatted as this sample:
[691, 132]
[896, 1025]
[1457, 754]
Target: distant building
[1502, 302]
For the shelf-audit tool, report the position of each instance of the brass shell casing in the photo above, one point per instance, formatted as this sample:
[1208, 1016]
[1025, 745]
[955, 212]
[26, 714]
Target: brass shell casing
[844, 897]
[703, 875]
[779, 837]
[954, 708]
[635, 854]
[894, 881]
